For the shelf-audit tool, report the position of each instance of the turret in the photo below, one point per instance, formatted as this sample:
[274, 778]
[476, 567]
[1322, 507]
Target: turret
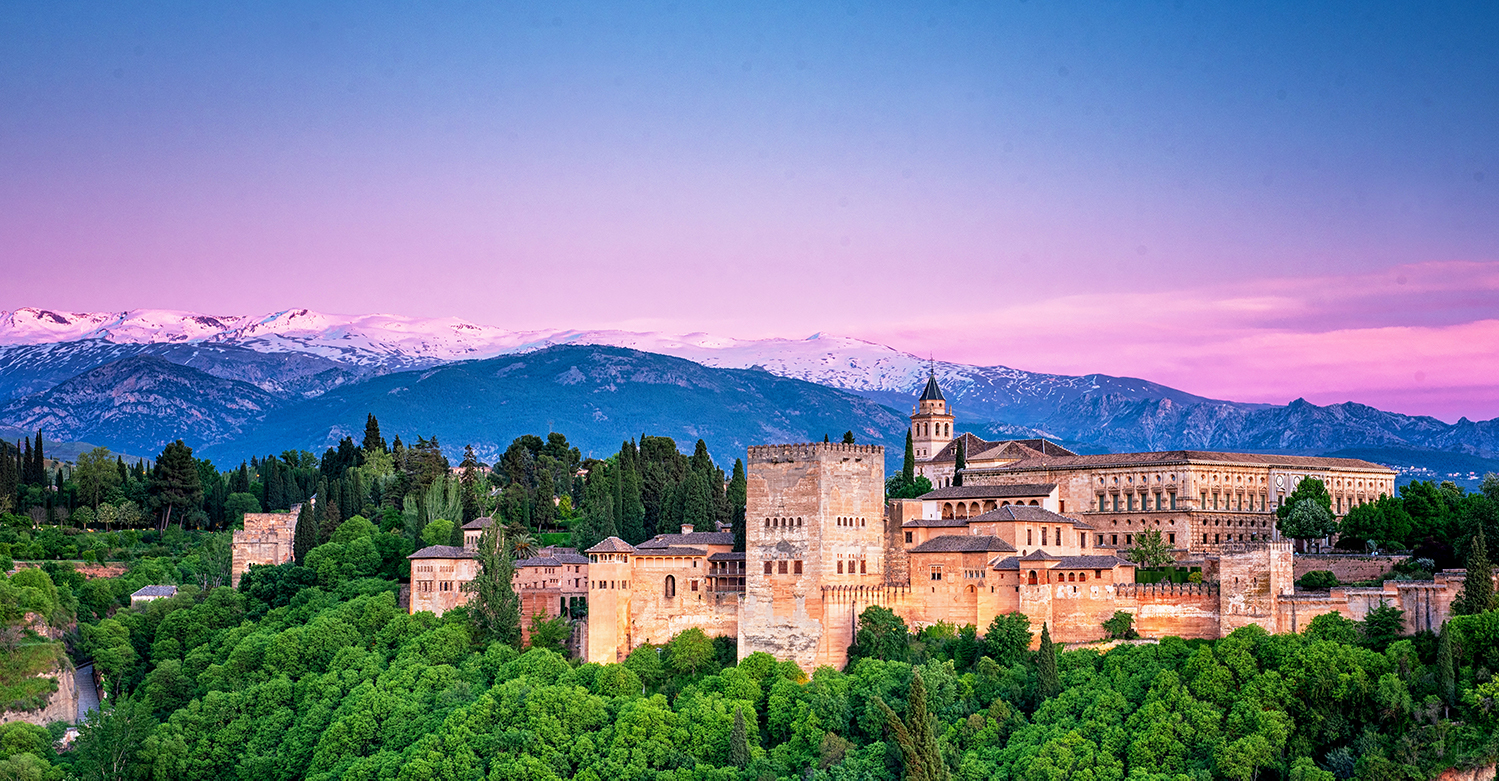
[609, 601]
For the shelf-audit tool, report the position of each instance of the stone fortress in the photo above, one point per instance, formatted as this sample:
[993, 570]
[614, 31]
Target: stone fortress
[1033, 528]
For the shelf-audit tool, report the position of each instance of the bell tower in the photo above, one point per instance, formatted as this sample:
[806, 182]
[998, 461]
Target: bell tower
[931, 423]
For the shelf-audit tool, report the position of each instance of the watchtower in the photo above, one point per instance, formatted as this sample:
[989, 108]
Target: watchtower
[813, 518]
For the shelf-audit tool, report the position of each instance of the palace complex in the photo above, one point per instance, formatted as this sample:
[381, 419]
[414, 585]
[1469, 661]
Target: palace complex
[1030, 527]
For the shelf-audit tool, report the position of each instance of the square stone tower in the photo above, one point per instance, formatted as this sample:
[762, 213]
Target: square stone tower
[813, 520]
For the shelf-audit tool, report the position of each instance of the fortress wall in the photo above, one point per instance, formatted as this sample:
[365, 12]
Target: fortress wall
[1188, 610]
[1349, 569]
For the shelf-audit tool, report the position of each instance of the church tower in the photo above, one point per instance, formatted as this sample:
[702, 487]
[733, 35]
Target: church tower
[931, 423]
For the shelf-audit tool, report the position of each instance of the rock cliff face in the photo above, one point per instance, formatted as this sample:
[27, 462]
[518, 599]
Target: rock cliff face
[63, 706]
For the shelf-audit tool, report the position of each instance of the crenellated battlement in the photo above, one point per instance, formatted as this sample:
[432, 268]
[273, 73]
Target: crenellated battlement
[808, 451]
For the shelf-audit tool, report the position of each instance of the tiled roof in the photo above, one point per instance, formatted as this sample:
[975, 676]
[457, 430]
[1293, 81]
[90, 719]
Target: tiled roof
[155, 591]
[934, 523]
[538, 561]
[695, 538]
[442, 552]
[1039, 555]
[1093, 562]
[1171, 457]
[611, 545]
[733, 556]
[570, 558]
[990, 491]
[1065, 562]
[479, 523]
[1022, 512]
[674, 550]
[964, 543]
[932, 391]
[971, 444]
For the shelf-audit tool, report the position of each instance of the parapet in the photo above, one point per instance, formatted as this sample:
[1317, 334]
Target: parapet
[808, 451]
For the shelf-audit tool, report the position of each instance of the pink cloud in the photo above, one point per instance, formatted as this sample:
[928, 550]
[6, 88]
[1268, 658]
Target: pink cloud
[1419, 339]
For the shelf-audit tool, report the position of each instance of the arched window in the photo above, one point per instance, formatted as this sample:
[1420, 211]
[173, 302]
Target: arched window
[1082, 576]
[1032, 581]
[671, 586]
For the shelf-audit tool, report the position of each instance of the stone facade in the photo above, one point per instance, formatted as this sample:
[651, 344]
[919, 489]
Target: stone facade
[265, 539]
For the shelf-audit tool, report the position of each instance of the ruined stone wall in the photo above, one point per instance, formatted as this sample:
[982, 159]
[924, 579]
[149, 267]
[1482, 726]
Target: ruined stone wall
[1349, 569]
[810, 507]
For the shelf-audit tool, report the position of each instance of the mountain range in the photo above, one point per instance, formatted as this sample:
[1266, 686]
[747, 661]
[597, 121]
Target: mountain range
[233, 384]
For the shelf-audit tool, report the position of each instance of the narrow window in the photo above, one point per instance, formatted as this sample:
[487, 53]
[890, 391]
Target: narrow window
[840, 566]
[781, 567]
[798, 568]
[767, 565]
[863, 567]
[908, 538]
[671, 586]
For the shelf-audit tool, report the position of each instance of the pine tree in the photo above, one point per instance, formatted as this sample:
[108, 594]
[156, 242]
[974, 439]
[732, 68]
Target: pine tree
[175, 484]
[848, 437]
[495, 607]
[739, 753]
[959, 465]
[1478, 586]
[917, 735]
[372, 439]
[738, 494]
[908, 466]
[304, 537]
[1048, 683]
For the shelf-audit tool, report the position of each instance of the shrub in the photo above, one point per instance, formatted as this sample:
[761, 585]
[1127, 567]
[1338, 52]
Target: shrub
[1318, 580]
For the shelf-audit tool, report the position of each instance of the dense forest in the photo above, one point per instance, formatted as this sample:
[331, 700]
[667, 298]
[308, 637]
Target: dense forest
[309, 670]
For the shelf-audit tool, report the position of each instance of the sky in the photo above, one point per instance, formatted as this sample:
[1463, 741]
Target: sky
[1252, 201]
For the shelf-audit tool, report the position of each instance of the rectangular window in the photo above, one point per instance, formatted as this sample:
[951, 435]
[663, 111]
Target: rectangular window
[1129, 503]
[840, 566]
[1129, 539]
[1116, 503]
[863, 567]
[767, 568]
[1082, 539]
[1173, 501]
[1171, 538]
[908, 538]
[781, 567]
[1215, 538]
[1058, 537]
[1029, 540]
[1113, 539]
[694, 585]
[1158, 500]
[1043, 535]
[936, 572]
[1102, 503]
[1204, 538]
[1204, 500]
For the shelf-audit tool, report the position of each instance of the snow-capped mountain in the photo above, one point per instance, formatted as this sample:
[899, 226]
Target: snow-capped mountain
[380, 343]
[298, 355]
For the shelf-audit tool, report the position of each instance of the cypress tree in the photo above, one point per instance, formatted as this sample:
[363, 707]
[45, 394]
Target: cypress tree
[917, 735]
[1446, 669]
[696, 501]
[1478, 586]
[304, 537]
[848, 437]
[631, 507]
[1048, 683]
[495, 605]
[739, 753]
[372, 439]
[275, 491]
[738, 495]
[9, 479]
[28, 465]
[959, 465]
[908, 466]
[40, 470]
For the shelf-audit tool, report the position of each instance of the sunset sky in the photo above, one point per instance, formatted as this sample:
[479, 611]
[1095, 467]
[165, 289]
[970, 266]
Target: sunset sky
[1251, 201]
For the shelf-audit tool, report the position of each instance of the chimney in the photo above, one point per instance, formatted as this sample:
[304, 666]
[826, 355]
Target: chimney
[686, 528]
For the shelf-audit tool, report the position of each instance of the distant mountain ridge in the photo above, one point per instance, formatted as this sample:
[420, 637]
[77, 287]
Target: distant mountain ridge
[299, 354]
